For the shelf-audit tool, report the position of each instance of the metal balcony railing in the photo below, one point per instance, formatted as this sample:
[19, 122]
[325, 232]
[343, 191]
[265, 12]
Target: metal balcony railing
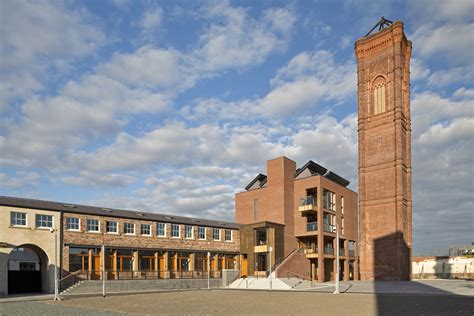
[311, 249]
[328, 250]
[329, 228]
[351, 253]
[309, 200]
[312, 226]
[342, 252]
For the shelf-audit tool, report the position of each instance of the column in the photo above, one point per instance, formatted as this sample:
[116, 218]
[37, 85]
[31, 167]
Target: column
[320, 238]
[313, 267]
[135, 264]
[356, 261]
[102, 263]
[156, 264]
[114, 265]
[166, 273]
[346, 261]
[191, 262]
[215, 265]
[89, 268]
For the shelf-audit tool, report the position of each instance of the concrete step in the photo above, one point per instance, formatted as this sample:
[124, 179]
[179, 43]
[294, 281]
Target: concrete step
[259, 284]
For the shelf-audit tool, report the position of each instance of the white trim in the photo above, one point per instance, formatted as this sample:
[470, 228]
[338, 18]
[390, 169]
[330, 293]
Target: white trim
[67, 224]
[231, 235]
[146, 235]
[115, 232]
[26, 220]
[164, 229]
[87, 225]
[43, 227]
[220, 237]
[192, 232]
[205, 233]
[179, 231]
[129, 234]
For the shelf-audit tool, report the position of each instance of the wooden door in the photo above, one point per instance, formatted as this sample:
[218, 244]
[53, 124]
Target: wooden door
[161, 265]
[244, 271]
[96, 271]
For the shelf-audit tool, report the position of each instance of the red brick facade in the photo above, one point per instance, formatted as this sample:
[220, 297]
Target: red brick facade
[383, 62]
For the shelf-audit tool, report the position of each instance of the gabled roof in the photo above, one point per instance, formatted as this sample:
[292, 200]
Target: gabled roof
[258, 181]
[336, 178]
[110, 212]
[313, 167]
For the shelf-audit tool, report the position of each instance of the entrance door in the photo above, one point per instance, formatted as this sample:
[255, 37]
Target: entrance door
[25, 271]
[244, 268]
[96, 270]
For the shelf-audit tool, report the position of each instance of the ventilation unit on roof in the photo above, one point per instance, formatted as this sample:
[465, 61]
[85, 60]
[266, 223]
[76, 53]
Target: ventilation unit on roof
[69, 205]
[140, 214]
[195, 220]
[169, 217]
[107, 210]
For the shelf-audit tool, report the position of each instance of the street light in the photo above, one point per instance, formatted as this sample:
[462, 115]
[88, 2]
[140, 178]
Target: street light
[336, 291]
[56, 281]
[208, 270]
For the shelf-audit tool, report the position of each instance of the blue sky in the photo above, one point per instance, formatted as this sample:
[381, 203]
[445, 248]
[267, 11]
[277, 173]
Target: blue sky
[174, 106]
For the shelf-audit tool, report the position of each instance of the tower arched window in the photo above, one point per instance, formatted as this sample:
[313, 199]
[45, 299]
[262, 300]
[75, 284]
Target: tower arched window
[379, 96]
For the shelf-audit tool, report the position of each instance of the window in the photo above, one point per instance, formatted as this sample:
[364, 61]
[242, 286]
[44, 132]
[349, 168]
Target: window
[44, 221]
[129, 228]
[329, 200]
[188, 232]
[28, 266]
[342, 205]
[17, 219]
[216, 234]
[342, 226]
[261, 236]
[161, 229]
[202, 232]
[379, 95]
[145, 229]
[228, 235]
[93, 225]
[174, 230]
[73, 223]
[255, 210]
[111, 227]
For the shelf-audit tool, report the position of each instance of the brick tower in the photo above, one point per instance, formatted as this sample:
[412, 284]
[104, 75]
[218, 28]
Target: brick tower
[383, 70]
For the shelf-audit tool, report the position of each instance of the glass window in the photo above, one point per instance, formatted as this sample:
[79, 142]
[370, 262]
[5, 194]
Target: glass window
[216, 234]
[44, 221]
[188, 232]
[92, 225]
[129, 228]
[111, 227]
[174, 230]
[73, 223]
[261, 236]
[228, 235]
[78, 259]
[329, 200]
[17, 219]
[202, 232]
[342, 204]
[145, 229]
[161, 229]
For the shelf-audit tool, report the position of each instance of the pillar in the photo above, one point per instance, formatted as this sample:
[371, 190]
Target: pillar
[356, 261]
[166, 273]
[320, 238]
[114, 265]
[346, 261]
[312, 269]
[191, 261]
[156, 262]
[135, 263]
[89, 268]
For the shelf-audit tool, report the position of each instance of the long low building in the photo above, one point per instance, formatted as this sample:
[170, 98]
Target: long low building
[137, 245]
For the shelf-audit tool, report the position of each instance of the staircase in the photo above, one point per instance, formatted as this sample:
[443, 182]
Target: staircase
[124, 286]
[253, 283]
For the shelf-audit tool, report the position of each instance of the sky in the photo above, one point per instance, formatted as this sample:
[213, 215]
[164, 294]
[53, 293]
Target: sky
[174, 106]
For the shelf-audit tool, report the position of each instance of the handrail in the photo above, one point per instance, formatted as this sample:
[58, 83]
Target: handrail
[70, 275]
[280, 261]
[297, 275]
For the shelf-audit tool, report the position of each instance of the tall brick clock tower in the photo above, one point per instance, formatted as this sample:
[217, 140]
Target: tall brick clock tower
[383, 71]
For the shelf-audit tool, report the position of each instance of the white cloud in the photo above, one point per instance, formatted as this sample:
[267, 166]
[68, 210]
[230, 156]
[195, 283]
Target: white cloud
[151, 20]
[87, 179]
[20, 179]
[37, 36]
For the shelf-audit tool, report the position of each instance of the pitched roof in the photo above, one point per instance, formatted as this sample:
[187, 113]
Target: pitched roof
[337, 178]
[110, 212]
[313, 167]
[261, 178]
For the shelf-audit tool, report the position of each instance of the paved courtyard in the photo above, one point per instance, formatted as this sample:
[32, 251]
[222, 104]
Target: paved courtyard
[241, 302]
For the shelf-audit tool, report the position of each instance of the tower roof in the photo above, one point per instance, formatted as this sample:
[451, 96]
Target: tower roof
[381, 24]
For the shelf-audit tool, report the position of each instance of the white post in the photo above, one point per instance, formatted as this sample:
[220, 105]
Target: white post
[103, 270]
[337, 260]
[56, 281]
[270, 264]
[208, 270]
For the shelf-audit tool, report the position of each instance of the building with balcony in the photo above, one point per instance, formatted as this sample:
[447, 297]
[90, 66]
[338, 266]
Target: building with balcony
[298, 212]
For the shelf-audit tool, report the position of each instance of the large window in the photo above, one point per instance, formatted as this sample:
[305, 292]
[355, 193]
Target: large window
[379, 99]
[216, 234]
[174, 230]
[129, 228]
[342, 205]
[188, 232]
[78, 259]
[261, 236]
[228, 235]
[44, 221]
[73, 223]
[202, 232]
[145, 229]
[93, 225]
[329, 202]
[161, 229]
[17, 219]
[111, 227]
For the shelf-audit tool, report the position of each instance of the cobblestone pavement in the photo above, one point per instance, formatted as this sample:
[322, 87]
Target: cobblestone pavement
[239, 302]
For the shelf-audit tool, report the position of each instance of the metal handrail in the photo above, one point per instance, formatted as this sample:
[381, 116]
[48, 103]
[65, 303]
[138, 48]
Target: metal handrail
[297, 275]
[280, 261]
[311, 226]
[309, 200]
[71, 274]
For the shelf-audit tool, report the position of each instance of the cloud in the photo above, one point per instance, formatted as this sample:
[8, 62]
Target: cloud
[38, 36]
[87, 179]
[151, 20]
[19, 179]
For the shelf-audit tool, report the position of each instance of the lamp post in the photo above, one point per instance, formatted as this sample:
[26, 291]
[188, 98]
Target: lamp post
[103, 270]
[336, 291]
[208, 270]
[56, 280]
[270, 263]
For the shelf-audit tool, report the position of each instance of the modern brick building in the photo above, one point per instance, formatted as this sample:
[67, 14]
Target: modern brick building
[288, 222]
[138, 245]
[385, 202]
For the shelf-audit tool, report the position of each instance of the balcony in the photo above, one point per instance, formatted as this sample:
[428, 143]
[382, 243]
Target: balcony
[311, 251]
[311, 226]
[308, 204]
[342, 252]
[260, 248]
[329, 228]
[328, 250]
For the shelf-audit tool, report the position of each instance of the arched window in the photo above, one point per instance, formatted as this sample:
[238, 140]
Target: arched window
[379, 96]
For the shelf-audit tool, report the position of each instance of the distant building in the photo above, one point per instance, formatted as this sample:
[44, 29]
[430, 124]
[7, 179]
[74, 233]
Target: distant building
[288, 223]
[461, 250]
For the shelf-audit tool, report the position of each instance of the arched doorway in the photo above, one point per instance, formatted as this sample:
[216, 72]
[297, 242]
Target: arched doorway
[27, 270]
